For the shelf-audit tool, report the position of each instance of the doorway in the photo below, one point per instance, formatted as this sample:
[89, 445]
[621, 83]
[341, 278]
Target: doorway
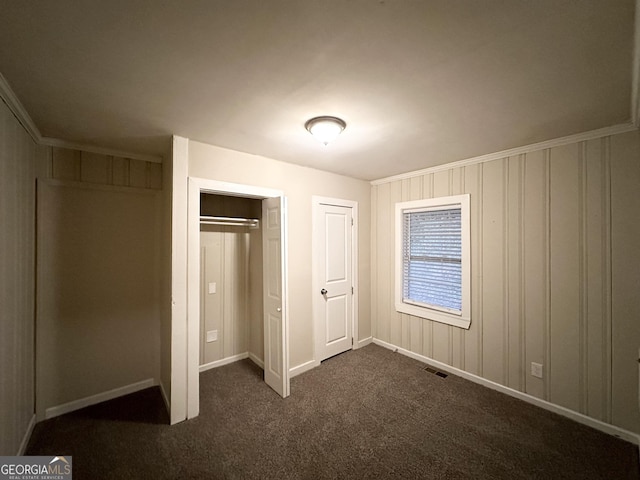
[275, 311]
[334, 276]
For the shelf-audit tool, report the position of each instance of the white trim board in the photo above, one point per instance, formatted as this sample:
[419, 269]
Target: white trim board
[52, 412]
[15, 105]
[165, 398]
[580, 137]
[27, 436]
[303, 367]
[363, 342]
[565, 412]
[294, 371]
[256, 360]
[223, 361]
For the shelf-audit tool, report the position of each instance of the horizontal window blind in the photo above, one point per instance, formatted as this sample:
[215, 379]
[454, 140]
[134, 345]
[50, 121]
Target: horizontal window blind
[432, 259]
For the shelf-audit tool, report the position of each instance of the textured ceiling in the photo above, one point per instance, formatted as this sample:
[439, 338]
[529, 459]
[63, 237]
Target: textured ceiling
[419, 83]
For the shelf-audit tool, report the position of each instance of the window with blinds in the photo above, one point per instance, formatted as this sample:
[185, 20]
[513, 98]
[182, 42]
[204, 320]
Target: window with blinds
[433, 259]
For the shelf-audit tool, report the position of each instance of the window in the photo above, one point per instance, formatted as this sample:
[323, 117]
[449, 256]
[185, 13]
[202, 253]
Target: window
[432, 259]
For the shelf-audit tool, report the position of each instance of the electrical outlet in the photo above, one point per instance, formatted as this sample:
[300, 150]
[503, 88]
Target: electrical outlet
[212, 336]
[212, 287]
[536, 369]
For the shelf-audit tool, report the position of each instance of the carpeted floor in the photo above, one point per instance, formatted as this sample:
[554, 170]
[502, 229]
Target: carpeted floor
[369, 413]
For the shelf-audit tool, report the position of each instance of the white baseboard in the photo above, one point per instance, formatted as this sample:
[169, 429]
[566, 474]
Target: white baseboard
[224, 361]
[27, 436]
[552, 407]
[99, 397]
[256, 360]
[364, 343]
[304, 367]
[167, 402]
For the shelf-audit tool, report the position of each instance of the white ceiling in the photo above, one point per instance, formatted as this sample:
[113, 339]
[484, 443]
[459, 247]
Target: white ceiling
[419, 83]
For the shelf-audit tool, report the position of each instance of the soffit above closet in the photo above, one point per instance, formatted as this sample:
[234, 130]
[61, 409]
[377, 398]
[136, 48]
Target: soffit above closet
[419, 83]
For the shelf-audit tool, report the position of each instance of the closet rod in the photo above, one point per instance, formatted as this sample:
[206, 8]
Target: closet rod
[232, 221]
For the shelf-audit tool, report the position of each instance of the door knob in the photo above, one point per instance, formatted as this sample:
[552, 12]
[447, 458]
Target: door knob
[278, 309]
[323, 291]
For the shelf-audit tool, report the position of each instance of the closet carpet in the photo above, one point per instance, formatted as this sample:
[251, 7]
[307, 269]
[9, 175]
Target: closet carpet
[368, 413]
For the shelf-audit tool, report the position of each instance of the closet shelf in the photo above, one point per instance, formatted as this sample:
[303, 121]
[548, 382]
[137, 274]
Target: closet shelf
[231, 221]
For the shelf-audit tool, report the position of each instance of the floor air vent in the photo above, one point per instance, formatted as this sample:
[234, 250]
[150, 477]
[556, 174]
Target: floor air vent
[436, 372]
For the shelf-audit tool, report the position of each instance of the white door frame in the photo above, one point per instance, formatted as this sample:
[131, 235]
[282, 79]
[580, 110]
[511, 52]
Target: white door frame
[203, 185]
[315, 267]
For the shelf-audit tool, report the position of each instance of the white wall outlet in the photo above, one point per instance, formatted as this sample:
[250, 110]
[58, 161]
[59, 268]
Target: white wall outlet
[212, 287]
[536, 369]
[212, 336]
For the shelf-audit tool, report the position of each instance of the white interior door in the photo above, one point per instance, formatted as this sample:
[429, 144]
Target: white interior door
[334, 279]
[276, 368]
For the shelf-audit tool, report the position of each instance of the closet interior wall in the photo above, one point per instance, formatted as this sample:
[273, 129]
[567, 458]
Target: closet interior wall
[231, 281]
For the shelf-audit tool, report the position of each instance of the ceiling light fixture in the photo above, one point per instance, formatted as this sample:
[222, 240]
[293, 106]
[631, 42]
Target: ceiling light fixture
[325, 129]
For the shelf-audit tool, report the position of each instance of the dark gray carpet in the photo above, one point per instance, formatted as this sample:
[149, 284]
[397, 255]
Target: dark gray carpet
[369, 413]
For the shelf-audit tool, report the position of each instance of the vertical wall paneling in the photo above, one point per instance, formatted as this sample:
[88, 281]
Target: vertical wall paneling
[625, 280]
[565, 276]
[554, 274]
[548, 371]
[137, 173]
[94, 168]
[375, 214]
[232, 259]
[534, 265]
[18, 155]
[607, 387]
[395, 331]
[514, 318]
[66, 164]
[593, 300]
[211, 268]
[120, 171]
[493, 275]
[473, 187]
[384, 303]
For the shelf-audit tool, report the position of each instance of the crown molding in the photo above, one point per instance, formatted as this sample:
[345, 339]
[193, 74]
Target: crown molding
[580, 137]
[55, 142]
[16, 107]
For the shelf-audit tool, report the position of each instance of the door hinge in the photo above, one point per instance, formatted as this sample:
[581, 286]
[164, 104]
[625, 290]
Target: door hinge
[351, 290]
[352, 222]
[352, 341]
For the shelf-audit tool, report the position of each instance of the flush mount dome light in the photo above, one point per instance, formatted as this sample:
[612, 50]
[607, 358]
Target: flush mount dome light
[325, 129]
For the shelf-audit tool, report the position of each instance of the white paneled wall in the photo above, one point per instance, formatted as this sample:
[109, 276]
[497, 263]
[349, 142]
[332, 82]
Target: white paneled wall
[224, 261]
[555, 274]
[17, 249]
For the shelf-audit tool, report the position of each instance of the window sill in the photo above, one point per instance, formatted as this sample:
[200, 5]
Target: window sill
[434, 315]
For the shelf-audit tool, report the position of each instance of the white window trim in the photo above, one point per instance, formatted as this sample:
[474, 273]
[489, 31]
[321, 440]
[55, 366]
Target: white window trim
[464, 319]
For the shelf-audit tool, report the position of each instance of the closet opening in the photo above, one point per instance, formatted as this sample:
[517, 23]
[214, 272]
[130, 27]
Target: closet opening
[236, 282]
[231, 323]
